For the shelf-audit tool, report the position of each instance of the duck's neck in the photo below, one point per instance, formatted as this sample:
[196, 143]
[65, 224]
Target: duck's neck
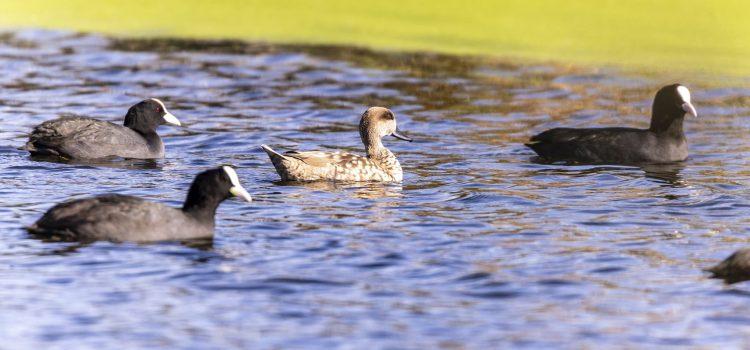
[374, 147]
[383, 157]
[668, 126]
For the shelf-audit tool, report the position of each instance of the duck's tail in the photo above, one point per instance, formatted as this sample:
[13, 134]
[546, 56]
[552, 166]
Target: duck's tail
[279, 162]
[28, 146]
[272, 154]
[37, 149]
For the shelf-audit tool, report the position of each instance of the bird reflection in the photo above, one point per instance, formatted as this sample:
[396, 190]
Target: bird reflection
[112, 162]
[67, 248]
[668, 173]
[362, 190]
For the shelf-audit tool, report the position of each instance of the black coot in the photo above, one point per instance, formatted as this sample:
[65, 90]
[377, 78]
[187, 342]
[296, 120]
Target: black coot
[87, 138]
[125, 218]
[663, 142]
[735, 268]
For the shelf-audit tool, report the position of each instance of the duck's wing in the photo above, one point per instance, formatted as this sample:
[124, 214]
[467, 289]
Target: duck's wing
[315, 158]
[317, 165]
[324, 159]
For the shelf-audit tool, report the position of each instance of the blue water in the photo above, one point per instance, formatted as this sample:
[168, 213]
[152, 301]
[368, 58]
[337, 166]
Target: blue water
[479, 248]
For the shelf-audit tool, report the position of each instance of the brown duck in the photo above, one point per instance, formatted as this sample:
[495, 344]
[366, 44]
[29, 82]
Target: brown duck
[379, 164]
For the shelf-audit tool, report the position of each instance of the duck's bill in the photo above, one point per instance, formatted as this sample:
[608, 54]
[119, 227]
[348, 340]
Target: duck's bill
[170, 119]
[240, 192]
[397, 134]
[689, 109]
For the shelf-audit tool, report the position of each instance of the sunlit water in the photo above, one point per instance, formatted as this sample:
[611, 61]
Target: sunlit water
[480, 247]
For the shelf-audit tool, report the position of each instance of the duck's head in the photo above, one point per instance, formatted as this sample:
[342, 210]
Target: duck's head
[379, 122]
[213, 186]
[147, 115]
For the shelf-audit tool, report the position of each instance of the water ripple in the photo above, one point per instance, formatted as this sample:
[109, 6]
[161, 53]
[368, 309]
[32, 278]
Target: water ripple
[480, 247]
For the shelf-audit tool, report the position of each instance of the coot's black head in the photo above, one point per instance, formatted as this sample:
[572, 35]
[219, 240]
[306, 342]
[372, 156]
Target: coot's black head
[673, 101]
[671, 104]
[147, 115]
[211, 187]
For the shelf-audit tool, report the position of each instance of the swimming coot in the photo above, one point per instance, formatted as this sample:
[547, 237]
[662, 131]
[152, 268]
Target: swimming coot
[125, 218]
[735, 268]
[663, 142]
[378, 165]
[87, 138]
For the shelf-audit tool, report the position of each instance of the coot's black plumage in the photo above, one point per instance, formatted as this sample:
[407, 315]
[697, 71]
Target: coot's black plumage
[125, 218]
[663, 142]
[735, 268]
[87, 138]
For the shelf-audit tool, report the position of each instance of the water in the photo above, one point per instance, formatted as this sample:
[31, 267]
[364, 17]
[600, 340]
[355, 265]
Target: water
[480, 247]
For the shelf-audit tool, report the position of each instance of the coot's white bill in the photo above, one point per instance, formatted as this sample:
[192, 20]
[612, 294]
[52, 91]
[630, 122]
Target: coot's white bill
[237, 190]
[689, 109]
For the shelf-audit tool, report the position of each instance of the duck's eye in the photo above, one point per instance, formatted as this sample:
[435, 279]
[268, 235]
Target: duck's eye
[389, 116]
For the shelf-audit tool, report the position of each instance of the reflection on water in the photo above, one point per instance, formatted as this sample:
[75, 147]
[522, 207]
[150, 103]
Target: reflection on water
[113, 162]
[480, 247]
[668, 174]
[362, 190]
